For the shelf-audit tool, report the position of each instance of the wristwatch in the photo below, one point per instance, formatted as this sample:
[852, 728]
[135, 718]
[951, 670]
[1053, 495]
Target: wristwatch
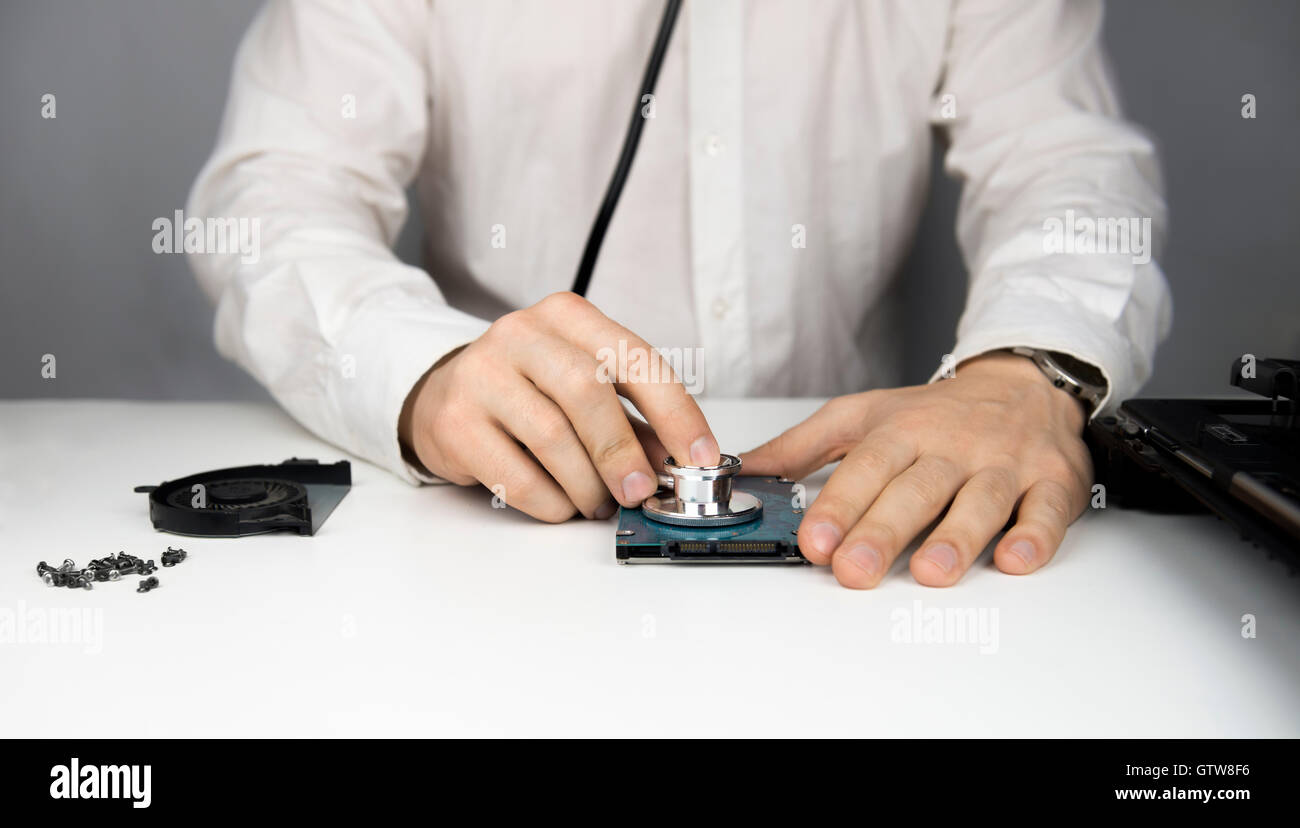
[1081, 379]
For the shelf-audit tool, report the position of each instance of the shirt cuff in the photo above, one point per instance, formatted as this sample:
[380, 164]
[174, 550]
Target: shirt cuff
[389, 344]
[1051, 326]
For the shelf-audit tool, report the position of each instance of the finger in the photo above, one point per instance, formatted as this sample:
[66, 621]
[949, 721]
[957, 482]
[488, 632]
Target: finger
[650, 443]
[592, 411]
[499, 463]
[1046, 510]
[672, 412]
[907, 505]
[642, 375]
[803, 449]
[860, 478]
[536, 421]
[977, 514]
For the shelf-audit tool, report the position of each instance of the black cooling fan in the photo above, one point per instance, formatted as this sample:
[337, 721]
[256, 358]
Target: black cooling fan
[296, 495]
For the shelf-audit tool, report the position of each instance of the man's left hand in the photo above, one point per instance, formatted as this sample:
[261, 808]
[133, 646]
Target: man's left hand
[996, 439]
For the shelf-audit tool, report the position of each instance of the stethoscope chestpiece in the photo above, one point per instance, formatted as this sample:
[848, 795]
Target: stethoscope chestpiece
[701, 496]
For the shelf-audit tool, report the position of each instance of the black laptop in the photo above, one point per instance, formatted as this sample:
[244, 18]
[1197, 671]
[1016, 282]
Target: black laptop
[1238, 458]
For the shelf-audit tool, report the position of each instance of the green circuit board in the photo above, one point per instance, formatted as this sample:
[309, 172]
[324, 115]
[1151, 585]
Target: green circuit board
[769, 538]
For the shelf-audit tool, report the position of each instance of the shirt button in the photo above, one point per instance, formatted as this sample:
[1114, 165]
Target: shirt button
[720, 308]
[713, 145]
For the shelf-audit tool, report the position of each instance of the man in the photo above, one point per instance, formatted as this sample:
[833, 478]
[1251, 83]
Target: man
[775, 190]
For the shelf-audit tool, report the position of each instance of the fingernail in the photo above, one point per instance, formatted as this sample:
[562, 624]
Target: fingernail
[637, 487]
[1024, 550]
[824, 538]
[704, 452]
[606, 509]
[941, 555]
[865, 558]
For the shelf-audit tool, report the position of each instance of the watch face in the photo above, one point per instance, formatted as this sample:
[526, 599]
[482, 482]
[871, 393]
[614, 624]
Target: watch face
[1082, 371]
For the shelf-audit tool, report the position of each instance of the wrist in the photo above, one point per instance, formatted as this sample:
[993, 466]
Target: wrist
[1003, 364]
[412, 414]
[406, 425]
[1011, 368]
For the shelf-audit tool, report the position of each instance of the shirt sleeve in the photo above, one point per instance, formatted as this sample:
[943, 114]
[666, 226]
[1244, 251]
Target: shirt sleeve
[323, 130]
[1037, 138]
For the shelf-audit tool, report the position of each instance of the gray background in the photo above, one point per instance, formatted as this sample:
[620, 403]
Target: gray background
[140, 86]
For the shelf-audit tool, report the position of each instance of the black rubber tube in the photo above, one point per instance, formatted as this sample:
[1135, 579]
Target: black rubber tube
[630, 141]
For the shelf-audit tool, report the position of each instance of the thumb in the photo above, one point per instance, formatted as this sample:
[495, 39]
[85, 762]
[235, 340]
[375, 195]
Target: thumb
[803, 449]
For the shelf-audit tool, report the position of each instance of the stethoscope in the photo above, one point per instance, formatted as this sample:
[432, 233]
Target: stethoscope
[688, 495]
[630, 141]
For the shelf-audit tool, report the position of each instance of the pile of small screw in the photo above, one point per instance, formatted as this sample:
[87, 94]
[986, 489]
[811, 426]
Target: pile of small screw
[111, 568]
[66, 575]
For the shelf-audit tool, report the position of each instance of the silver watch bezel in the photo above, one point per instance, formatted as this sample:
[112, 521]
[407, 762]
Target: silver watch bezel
[1090, 394]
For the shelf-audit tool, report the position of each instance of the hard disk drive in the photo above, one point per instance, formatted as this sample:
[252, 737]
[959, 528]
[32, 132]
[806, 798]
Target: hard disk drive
[710, 514]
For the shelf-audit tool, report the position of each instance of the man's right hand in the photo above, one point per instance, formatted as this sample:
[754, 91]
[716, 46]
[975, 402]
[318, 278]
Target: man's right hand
[530, 407]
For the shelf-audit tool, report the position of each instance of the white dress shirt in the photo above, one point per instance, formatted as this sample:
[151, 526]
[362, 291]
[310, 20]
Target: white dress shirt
[770, 119]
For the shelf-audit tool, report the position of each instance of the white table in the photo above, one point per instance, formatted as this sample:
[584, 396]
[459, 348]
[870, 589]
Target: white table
[424, 611]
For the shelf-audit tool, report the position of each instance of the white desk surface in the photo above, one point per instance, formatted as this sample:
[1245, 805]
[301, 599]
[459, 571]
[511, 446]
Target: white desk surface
[423, 611]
